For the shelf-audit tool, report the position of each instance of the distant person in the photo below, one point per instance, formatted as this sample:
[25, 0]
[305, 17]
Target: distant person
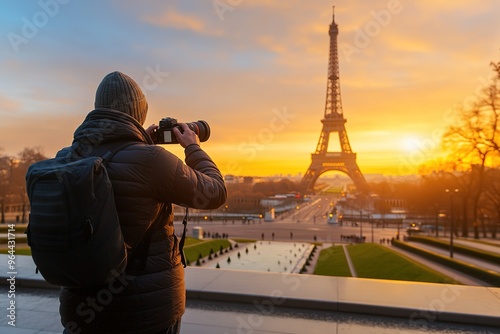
[146, 180]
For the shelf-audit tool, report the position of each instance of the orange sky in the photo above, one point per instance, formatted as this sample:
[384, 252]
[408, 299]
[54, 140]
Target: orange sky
[255, 70]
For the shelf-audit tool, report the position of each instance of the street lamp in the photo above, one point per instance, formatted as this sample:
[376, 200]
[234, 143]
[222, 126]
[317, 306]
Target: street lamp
[225, 215]
[437, 220]
[451, 192]
[360, 226]
[297, 208]
[371, 223]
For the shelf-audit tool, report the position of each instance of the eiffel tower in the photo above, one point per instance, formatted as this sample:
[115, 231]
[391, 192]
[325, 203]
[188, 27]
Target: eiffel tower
[333, 122]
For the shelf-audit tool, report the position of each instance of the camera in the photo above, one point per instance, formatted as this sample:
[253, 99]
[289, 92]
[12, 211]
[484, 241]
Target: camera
[164, 134]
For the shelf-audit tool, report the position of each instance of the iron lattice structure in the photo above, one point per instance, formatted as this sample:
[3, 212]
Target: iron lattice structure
[333, 123]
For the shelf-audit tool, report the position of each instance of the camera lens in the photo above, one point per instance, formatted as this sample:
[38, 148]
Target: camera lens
[201, 128]
[165, 135]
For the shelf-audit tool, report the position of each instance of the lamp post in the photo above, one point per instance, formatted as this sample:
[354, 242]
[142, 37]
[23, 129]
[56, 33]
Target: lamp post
[360, 226]
[371, 223]
[437, 221]
[451, 192]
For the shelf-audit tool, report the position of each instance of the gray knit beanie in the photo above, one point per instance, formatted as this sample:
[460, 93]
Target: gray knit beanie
[120, 92]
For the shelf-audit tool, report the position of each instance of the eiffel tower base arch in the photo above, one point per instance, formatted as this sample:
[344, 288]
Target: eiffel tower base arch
[340, 162]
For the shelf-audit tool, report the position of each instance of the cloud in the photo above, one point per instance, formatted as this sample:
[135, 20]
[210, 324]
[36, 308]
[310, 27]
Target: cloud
[271, 44]
[172, 18]
[8, 105]
[408, 44]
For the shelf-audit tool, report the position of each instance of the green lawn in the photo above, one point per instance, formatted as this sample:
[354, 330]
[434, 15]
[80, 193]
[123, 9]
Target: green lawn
[376, 261]
[20, 228]
[242, 240]
[191, 241]
[20, 250]
[193, 251]
[332, 262]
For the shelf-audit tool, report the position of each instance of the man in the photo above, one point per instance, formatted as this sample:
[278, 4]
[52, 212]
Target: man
[147, 180]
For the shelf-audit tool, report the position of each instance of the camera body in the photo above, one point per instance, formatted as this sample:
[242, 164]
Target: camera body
[165, 135]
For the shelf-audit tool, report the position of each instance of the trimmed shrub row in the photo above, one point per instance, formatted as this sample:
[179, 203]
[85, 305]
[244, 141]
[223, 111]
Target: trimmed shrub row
[309, 258]
[477, 253]
[487, 276]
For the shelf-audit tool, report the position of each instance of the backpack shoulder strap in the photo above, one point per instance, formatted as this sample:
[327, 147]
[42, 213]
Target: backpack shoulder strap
[108, 155]
[138, 255]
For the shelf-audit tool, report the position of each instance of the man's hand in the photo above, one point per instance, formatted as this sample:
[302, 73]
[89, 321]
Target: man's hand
[151, 129]
[187, 137]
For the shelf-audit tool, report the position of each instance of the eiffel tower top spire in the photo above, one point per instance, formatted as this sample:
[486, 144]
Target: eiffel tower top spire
[333, 107]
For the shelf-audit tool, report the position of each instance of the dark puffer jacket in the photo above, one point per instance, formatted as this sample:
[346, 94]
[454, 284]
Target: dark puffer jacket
[146, 180]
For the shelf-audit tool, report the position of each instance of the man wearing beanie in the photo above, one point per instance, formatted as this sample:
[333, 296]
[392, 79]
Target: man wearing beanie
[147, 180]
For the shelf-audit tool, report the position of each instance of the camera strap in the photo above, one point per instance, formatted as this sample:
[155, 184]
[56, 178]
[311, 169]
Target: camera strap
[183, 238]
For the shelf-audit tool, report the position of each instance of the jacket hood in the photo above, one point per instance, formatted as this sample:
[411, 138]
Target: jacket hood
[104, 126]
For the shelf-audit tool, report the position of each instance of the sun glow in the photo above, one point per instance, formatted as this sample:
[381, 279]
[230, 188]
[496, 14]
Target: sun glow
[410, 144]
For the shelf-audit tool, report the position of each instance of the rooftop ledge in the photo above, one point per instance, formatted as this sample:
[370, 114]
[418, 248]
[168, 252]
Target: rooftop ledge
[412, 300]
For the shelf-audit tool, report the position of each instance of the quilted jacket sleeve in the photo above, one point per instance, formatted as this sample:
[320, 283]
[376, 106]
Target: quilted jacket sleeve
[197, 184]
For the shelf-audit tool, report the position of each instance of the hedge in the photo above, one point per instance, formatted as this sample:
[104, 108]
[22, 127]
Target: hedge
[461, 249]
[487, 276]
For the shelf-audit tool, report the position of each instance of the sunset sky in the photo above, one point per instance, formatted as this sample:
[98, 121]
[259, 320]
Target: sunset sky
[255, 70]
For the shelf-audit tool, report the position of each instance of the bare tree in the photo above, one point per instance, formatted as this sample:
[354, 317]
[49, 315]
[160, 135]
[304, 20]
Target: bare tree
[26, 157]
[473, 142]
[12, 179]
[491, 200]
[4, 184]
